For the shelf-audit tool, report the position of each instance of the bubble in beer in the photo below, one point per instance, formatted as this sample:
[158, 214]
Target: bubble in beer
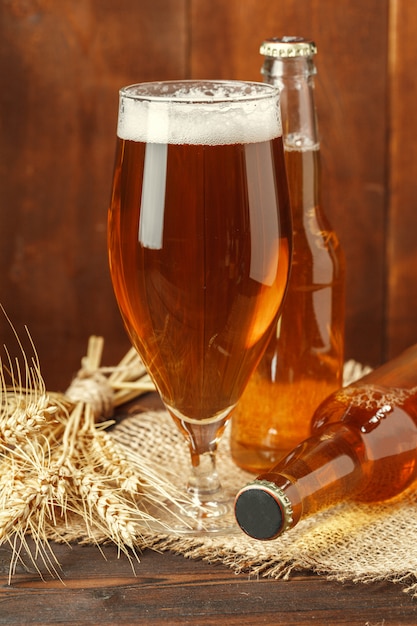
[371, 397]
[222, 113]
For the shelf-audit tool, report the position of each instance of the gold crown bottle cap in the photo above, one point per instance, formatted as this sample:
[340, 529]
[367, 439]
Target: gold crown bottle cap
[262, 510]
[286, 47]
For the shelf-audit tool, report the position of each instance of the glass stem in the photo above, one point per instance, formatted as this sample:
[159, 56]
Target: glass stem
[204, 480]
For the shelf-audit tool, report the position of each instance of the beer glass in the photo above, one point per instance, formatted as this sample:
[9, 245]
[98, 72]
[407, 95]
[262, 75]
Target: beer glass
[199, 249]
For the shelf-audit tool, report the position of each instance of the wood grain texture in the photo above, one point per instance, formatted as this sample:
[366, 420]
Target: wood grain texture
[401, 266]
[62, 65]
[169, 589]
[64, 62]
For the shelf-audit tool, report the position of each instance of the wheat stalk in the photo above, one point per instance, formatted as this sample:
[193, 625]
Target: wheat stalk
[59, 464]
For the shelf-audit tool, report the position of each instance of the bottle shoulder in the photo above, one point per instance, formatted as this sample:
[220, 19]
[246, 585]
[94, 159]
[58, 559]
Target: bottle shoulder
[317, 257]
[366, 407]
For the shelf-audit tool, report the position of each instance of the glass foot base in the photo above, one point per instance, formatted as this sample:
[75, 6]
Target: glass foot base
[211, 517]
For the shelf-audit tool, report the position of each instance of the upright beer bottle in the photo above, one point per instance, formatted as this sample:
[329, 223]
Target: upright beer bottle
[304, 361]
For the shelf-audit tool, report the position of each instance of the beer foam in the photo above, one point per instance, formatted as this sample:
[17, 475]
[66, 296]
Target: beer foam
[221, 113]
[371, 397]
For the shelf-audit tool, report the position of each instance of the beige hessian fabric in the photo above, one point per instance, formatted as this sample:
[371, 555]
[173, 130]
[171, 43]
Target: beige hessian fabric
[350, 542]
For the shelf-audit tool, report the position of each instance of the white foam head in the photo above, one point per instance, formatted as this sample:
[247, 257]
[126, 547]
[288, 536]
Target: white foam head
[221, 113]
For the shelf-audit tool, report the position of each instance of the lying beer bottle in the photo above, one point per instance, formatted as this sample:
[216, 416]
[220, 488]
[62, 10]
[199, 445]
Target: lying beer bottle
[363, 448]
[304, 361]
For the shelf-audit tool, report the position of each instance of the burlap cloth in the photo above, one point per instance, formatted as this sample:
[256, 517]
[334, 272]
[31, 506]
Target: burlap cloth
[350, 542]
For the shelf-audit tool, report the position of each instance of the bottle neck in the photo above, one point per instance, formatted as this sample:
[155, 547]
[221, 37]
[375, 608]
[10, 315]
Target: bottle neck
[316, 475]
[295, 79]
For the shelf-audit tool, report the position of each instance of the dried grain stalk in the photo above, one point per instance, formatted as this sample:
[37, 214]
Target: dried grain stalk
[59, 466]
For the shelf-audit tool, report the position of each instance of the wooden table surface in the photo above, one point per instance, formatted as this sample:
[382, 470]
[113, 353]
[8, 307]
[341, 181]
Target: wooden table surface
[169, 589]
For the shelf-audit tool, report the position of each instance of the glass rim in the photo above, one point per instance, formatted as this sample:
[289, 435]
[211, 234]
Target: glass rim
[229, 91]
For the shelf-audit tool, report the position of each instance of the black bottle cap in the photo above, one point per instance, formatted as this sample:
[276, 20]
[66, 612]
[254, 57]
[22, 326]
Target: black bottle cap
[259, 512]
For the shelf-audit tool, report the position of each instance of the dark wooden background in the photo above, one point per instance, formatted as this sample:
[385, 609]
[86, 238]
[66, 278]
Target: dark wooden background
[61, 65]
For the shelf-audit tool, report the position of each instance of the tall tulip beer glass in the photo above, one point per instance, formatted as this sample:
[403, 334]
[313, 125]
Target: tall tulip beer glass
[199, 248]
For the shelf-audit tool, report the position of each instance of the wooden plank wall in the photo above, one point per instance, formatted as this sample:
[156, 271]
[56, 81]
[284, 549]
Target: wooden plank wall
[61, 65]
[401, 226]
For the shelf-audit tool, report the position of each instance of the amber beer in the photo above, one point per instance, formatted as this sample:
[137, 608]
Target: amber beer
[363, 447]
[302, 365]
[199, 246]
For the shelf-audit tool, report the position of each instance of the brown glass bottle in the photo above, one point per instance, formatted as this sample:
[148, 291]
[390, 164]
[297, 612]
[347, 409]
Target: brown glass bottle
[304, 361]
[364, 447]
